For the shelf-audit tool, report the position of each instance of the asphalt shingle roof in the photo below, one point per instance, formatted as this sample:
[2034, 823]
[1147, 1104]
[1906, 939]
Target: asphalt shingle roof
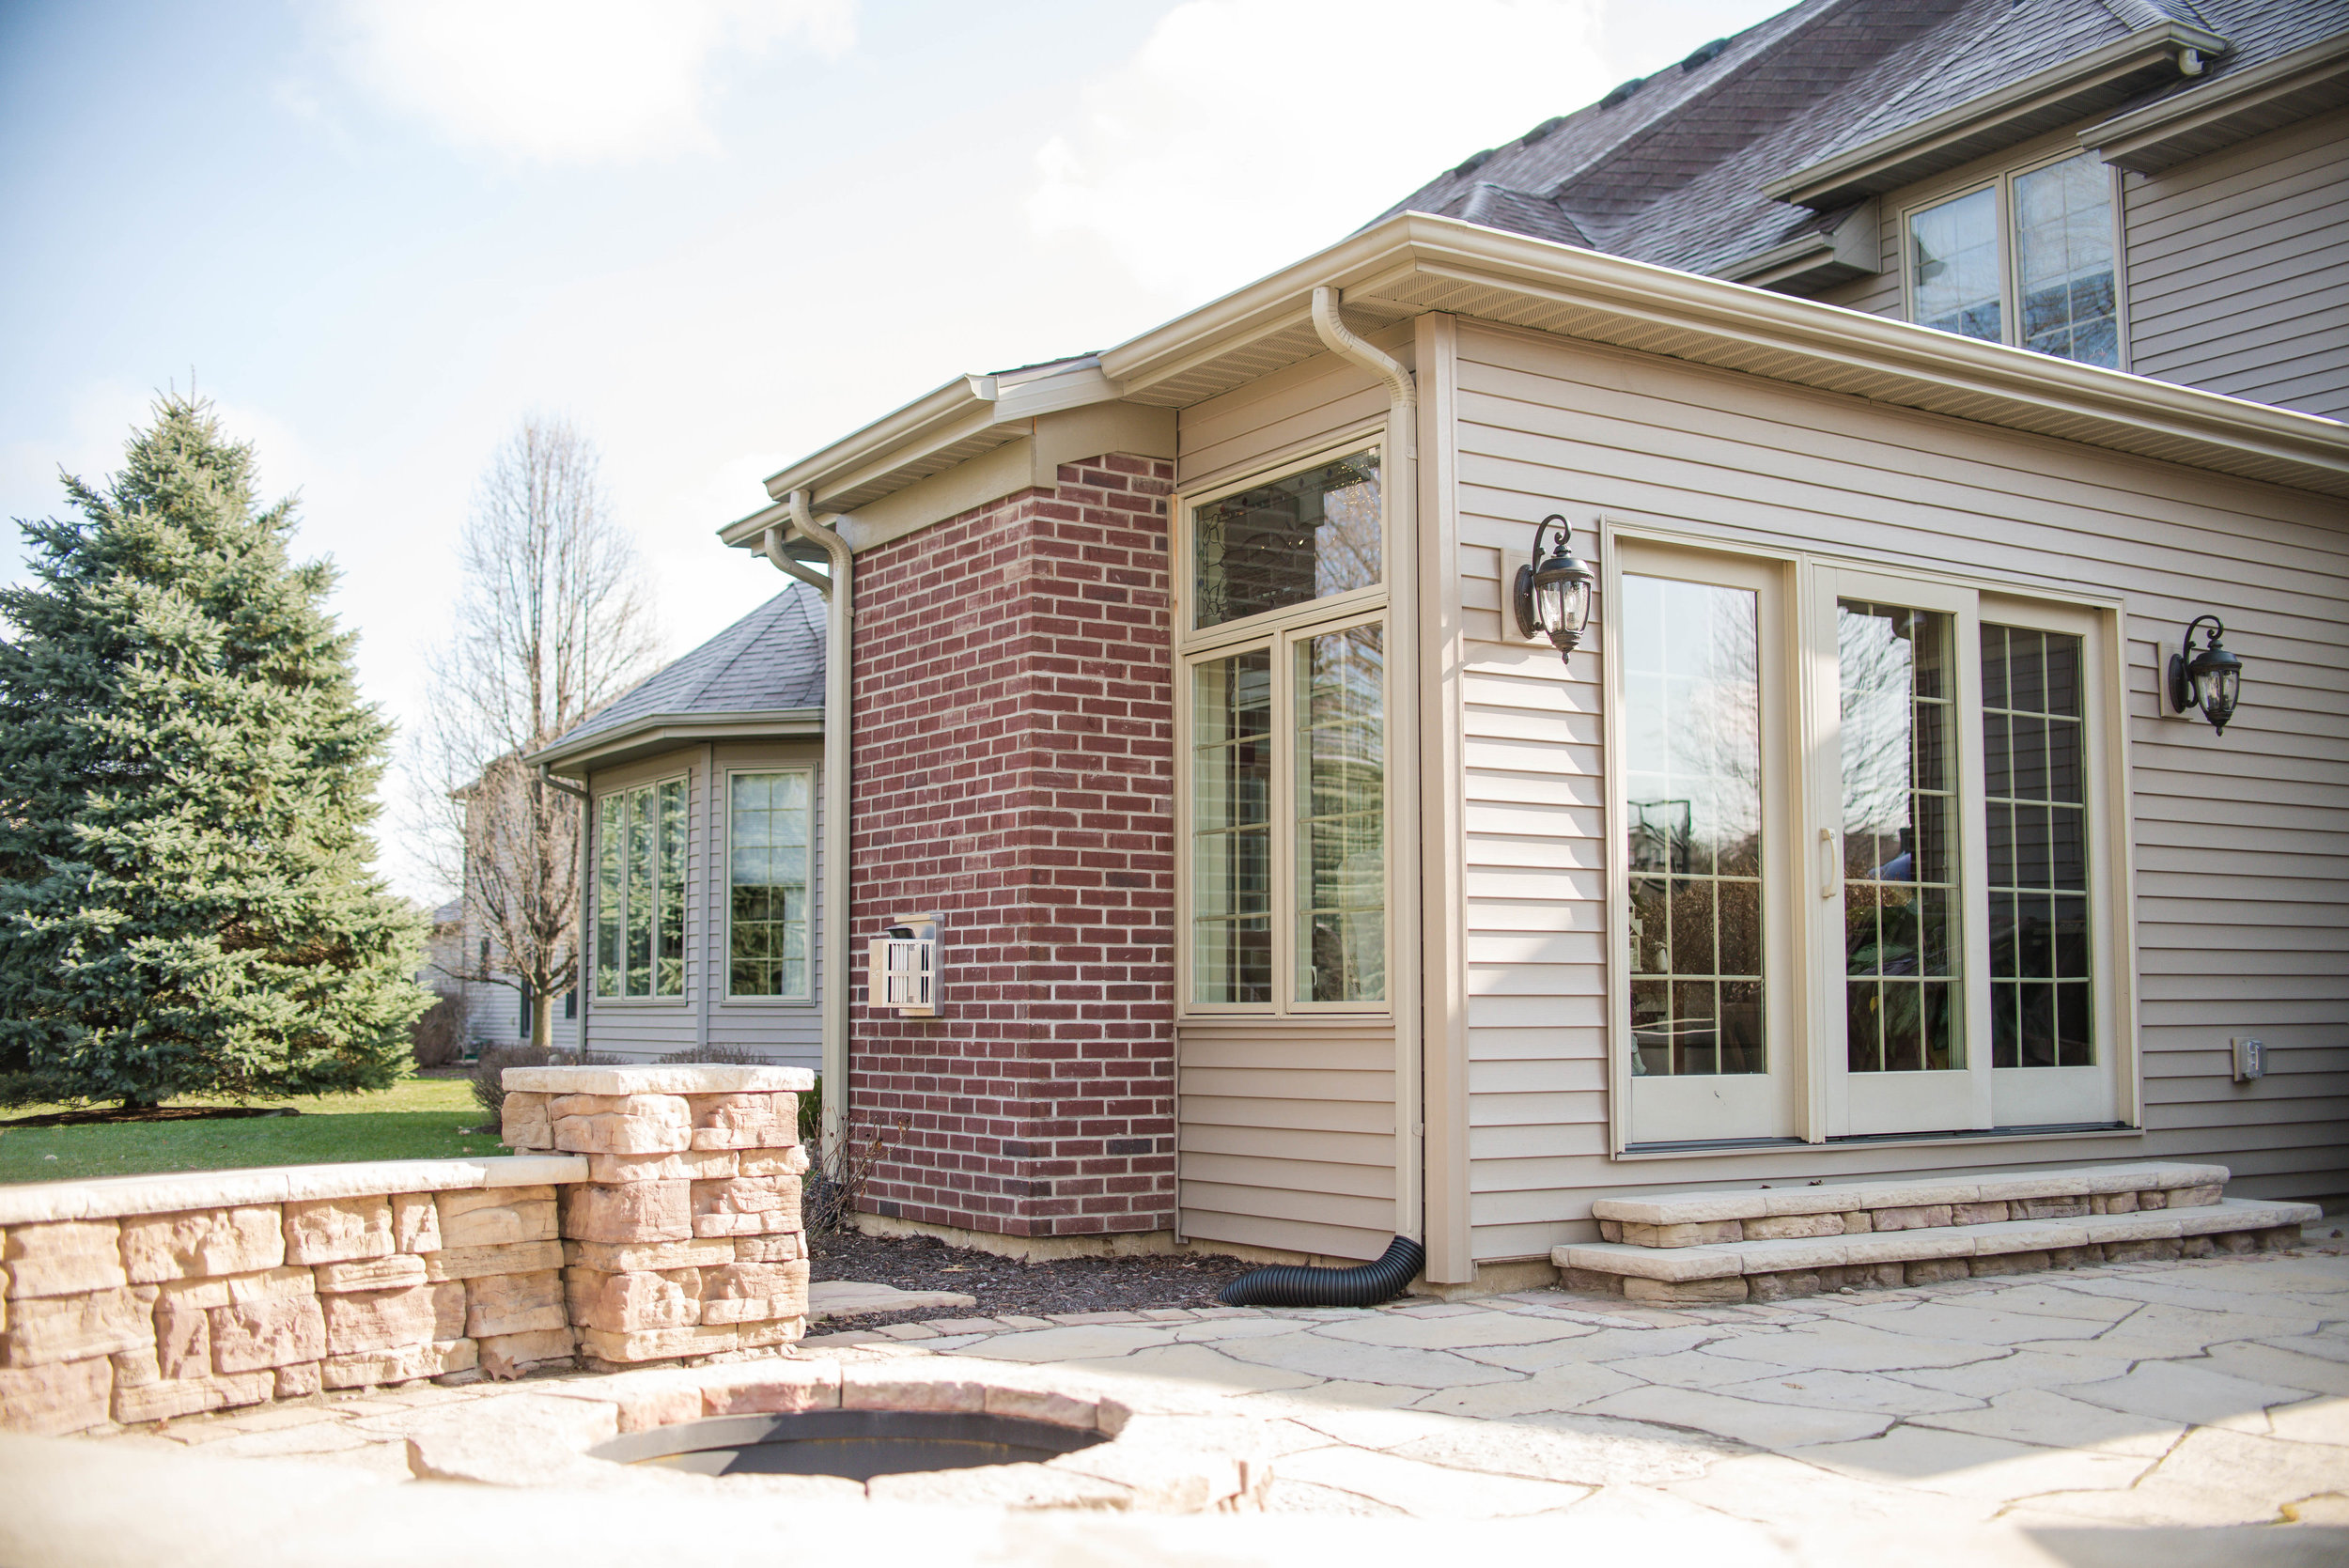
[772, 659]
[1670, 170]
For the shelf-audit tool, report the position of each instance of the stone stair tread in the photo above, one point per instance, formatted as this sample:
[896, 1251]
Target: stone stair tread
[1722, 1259]
[1676, 1208]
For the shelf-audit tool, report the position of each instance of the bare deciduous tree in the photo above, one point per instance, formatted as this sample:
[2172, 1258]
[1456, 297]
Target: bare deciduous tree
[552, 623]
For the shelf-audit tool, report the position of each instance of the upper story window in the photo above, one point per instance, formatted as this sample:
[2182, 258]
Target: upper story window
[2027, 259]
[1301, 537]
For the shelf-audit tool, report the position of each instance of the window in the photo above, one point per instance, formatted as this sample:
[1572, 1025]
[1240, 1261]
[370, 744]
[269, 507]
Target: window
[2042, 971]
[1950, 952]
[1899, 776]
[640, 891]
[1285, 706]
[769, 832]
[1692, 654]
[1307, 537]
[2027, 259]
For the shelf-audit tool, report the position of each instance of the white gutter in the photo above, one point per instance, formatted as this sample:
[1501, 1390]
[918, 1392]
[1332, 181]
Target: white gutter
[839, 595]
[1399, 484]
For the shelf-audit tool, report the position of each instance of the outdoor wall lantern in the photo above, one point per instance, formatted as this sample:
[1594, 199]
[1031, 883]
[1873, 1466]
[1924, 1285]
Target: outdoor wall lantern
[1553, 596]
[2209, 677]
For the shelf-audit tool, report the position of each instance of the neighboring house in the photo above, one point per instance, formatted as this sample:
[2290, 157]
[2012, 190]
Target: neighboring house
[495, 1014]
[700, 864]
[1288, 895]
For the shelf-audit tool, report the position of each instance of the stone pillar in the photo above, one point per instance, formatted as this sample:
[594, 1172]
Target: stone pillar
[684, 1242]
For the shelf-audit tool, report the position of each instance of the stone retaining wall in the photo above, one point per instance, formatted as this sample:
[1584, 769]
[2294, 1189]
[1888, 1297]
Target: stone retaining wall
[663, 1224]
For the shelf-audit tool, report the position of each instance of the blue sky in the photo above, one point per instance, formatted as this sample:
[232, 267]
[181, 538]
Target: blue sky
[714, 233]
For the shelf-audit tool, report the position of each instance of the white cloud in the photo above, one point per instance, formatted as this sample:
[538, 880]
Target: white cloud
[1246, 134]
[570, 81]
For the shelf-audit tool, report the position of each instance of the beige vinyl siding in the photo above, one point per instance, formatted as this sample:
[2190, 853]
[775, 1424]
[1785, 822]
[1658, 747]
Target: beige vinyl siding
[1549, 425]
[1286, 1134]
[644, 1028]
[1286, 1126]
[2237, 281]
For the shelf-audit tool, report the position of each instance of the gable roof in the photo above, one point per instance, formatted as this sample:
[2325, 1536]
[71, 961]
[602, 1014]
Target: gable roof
[1757, 141]
[766, 668]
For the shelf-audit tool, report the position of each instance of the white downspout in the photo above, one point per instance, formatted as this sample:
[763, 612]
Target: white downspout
[839, 597]
[1401, 487]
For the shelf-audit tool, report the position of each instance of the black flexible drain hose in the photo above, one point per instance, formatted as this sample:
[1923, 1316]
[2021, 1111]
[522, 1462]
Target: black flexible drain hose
[1295, 1286]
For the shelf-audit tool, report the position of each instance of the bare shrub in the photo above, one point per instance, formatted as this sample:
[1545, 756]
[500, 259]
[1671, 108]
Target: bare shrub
[836, 1178]
[438, 1038]
[489, 1088]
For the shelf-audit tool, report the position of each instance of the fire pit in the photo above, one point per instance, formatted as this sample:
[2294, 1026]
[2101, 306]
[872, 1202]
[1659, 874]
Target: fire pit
[855, 1445]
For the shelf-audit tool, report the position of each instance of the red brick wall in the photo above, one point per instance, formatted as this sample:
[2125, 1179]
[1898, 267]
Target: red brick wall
[1012, 756]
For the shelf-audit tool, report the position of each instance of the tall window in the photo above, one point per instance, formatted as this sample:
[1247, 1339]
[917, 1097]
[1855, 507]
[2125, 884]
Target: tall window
[2027, 259]
[640, 891]
[770, 830]
[2042, 1007]
[1693, 727]
[1900, 839]
[1286, 719]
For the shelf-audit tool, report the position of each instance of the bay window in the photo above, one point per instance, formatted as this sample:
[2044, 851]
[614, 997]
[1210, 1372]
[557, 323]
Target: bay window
[1944, 958]
[2027, 259]
[770, 833]
[640, 859]
[1283, 718]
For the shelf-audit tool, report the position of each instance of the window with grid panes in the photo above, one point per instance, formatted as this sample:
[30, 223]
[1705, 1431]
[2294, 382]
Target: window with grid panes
[770, 839]
[1286, 871]
[640, 891]
[2035, 790]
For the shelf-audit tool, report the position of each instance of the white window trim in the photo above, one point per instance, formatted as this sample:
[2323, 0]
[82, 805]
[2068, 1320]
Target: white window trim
[1280, 631]
[684, 999]
[2112, 837]
[2010, 310]
[723, 885]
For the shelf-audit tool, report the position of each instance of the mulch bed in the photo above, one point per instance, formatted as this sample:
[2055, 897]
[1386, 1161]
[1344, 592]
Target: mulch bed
[150, 1113]
[1010, 1286]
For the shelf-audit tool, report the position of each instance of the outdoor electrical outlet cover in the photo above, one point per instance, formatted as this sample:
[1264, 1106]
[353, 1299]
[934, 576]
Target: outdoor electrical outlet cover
[2250, 1060]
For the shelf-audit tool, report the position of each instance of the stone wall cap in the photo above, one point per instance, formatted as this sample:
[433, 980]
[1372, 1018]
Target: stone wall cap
[711, 1079]
[114, 1197]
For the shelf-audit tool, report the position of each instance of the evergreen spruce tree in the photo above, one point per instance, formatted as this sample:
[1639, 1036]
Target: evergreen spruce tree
[187, 777]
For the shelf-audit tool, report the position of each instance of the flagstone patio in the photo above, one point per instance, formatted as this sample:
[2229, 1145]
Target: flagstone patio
[2203, 1393]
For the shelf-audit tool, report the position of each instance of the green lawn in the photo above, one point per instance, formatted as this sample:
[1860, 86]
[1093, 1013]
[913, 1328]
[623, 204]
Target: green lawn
[415, 1119]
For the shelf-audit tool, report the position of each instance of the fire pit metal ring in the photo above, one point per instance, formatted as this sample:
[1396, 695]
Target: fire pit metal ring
[856, 1445]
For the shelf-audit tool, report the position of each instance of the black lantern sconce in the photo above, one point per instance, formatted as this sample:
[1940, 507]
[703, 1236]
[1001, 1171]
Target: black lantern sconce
[2208, 677]
[1553, 596]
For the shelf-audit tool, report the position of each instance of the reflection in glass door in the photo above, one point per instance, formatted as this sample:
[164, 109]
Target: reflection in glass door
[1901, 951]
[1900, 954]
[1705, 1060]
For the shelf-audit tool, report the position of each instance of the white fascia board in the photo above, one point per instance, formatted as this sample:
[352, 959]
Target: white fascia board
[1828, 337]
[965, 407]
[574, 758]
[1901, 156]
[2153, 138]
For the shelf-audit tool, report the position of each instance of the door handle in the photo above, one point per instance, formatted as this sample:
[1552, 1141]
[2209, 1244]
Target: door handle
[1831, 879]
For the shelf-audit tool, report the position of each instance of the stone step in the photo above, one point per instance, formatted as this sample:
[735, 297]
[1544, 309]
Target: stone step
[1676, 1219]
[1803, 1265]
